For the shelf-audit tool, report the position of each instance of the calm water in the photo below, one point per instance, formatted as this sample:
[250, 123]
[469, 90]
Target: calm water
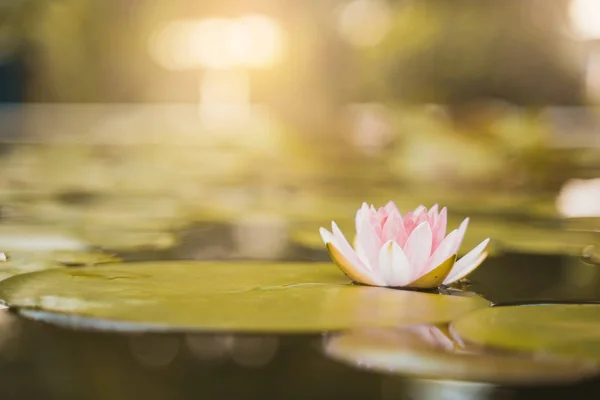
[42, 361]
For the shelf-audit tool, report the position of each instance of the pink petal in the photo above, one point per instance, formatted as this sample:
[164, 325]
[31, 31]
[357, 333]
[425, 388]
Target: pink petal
[441, 254]
[439, 229]
[432, 335]
[391, 207]
[418, 246]
[433, 212]
[394, 267]
[467, 264]
[420, 211]
[393, 227]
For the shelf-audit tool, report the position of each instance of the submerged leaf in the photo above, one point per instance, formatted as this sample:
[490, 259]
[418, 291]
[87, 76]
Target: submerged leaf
[213, 296]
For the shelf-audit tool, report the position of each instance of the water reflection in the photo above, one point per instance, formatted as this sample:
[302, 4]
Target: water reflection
[209, 348]
[253, 351]
[450, 390]
[153, 351]
[433, 352]
[10, 331]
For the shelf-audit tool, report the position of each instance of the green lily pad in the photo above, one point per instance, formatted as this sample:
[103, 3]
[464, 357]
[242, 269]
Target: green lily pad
[25, 262]
[213, 296]
[23, 265]
[430, 352]
[570, 330]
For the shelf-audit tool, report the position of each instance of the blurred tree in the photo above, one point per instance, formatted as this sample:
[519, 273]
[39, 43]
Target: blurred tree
[462, 51]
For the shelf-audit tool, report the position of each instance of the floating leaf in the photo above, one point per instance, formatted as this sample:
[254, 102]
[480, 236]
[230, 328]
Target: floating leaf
[431, 352]
[24, 262]
[213, 296]
[571, 330]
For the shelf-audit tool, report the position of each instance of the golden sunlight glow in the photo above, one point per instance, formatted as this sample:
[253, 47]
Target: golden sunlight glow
[253, 41]
[585, 17]
[364, 22]
[224, 98]
[169, 46]
[209, 43]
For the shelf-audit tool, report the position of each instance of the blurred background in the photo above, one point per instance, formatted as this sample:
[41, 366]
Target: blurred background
[122, 122]
[155, 129]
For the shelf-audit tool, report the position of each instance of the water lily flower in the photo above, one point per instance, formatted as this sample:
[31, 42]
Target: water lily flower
[410, 251]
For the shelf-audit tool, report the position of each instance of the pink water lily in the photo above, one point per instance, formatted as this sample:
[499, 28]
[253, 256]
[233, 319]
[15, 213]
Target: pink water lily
[410, 251]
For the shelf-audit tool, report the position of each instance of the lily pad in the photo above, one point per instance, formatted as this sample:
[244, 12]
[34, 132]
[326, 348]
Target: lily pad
[570, 330]
[24, 265]
[430, 352]
[213, 296]
[25, 262]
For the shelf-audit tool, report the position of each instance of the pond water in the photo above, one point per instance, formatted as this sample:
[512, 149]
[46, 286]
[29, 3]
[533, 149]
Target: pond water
[40, 360]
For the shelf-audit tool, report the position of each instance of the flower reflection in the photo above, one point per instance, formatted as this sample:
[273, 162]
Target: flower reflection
[435, 352]
[418, 389]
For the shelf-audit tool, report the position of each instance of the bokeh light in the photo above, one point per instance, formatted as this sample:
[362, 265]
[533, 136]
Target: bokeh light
[153, 351]
[209, 348]
[364, 22]
[585, 16]
[254, 352]
[580, 198]
[253, 41]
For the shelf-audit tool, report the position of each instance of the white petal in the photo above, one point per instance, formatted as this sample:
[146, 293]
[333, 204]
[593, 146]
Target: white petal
[353, 261]
[339, 242]
[418, 246]
[441, 254]
[326, 235]
[393, 265]
[342, 244]
[367, 241]
[439, 228]
[364, 209]
[467, 264]
[462, 229]
[355, 270]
